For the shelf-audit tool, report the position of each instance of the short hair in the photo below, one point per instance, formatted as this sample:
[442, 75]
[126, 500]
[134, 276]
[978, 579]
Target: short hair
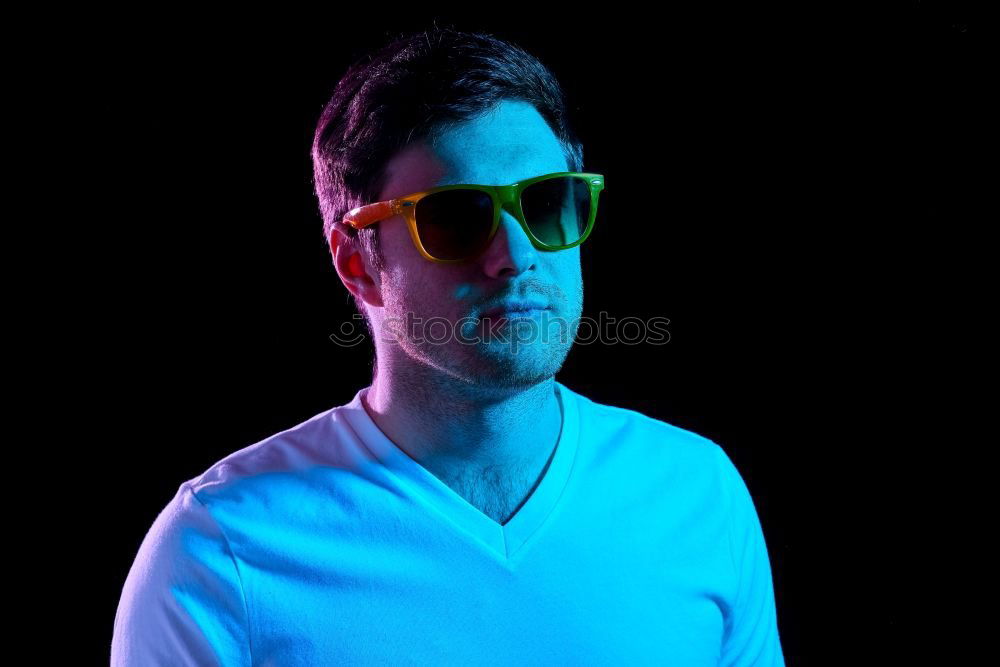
[409, 90]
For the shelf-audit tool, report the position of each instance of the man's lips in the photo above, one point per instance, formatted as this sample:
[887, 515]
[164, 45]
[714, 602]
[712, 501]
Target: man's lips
[513, 309]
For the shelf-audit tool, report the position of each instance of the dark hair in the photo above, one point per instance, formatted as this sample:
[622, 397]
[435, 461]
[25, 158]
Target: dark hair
[410, 89]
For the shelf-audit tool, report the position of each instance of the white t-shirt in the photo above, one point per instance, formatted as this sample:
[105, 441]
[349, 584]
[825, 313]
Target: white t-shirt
[327, 544]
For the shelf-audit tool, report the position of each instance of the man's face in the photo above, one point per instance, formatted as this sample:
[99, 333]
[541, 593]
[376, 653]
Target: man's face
[508, 145]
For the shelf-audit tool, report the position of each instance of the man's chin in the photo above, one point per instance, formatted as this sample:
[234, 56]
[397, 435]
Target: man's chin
[500, 365]
[526, 368]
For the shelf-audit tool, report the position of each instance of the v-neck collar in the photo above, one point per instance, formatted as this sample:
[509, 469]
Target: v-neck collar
[505, 540]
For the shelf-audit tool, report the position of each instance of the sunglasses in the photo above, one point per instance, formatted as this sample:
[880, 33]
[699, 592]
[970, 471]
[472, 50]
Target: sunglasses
[455, 223]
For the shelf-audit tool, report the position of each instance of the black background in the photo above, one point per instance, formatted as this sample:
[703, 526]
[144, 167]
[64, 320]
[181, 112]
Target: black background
[785, 185]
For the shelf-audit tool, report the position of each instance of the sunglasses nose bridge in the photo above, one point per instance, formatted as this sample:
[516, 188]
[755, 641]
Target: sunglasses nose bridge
[507, 196]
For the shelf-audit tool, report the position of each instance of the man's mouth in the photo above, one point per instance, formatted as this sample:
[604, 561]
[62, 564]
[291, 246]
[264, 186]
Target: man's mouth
[516, 309]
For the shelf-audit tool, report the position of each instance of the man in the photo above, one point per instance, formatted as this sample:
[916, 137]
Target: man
[466, 507]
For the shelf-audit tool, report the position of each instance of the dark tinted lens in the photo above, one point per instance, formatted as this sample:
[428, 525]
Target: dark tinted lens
[557, 209]
[454, 224]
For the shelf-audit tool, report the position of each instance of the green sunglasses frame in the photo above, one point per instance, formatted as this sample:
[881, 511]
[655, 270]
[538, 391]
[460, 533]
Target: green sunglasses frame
[503, 196]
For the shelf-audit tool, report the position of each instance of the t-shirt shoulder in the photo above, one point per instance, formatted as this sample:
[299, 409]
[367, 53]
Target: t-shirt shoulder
[601, 419]
[322, 439]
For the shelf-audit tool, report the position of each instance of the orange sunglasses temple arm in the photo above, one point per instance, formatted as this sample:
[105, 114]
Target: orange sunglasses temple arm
[362, 216]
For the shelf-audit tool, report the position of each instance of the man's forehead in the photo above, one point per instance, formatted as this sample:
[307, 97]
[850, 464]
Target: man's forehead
[511, 142]
[499, 164]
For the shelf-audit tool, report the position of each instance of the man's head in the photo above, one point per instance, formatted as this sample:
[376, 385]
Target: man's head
[433, 109]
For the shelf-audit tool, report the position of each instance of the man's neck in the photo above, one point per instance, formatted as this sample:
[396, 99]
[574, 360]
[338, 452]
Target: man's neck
[462, 434]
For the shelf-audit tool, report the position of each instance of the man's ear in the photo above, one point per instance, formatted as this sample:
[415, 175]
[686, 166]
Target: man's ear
[352, 267]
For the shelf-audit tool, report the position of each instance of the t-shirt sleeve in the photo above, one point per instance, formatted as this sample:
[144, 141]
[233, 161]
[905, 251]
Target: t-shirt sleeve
[183, 602]
[750, 636]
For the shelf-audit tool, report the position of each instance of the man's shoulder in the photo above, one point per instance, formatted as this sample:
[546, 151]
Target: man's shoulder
[672, 469]
[279, 452]
[626, 426]
[281, 463]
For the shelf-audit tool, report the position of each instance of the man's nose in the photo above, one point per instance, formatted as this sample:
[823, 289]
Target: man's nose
[511, 251]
